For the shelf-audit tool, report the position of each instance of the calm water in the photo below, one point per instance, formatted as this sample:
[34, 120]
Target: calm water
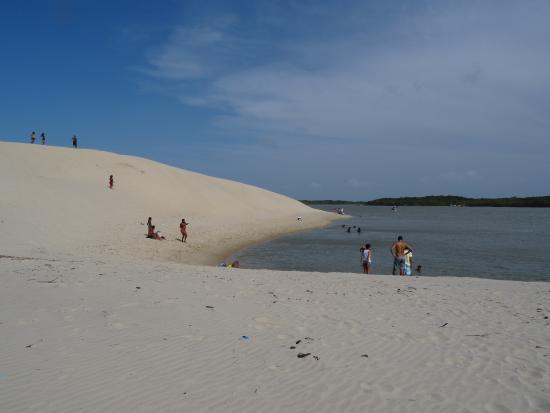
[503, 243]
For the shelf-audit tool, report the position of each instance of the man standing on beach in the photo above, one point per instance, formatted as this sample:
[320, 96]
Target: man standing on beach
[75, 142]
[398, 251]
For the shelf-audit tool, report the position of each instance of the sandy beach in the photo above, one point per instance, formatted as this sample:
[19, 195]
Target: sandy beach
[94, 317]
[131, 336]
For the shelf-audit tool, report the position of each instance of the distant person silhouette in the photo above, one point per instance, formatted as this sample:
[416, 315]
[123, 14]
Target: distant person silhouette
[111, 182]
[75, 142]
[33, 136]
[183, 229]
[150, 228]
[43, 138]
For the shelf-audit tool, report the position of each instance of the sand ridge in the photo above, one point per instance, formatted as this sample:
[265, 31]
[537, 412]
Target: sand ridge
[57, 200]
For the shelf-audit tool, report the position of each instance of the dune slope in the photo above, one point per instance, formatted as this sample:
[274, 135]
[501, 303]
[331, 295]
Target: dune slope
[56, 200]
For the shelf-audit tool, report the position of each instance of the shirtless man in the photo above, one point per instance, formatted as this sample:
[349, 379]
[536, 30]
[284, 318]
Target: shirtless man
[398, 251]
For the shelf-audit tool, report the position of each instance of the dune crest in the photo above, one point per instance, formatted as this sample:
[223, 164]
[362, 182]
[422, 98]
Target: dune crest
[57, 200]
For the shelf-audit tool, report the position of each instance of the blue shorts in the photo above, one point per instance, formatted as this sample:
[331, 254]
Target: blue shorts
[398, 264]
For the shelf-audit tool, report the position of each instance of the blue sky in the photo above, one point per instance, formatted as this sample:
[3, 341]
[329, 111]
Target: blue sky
[349, 99]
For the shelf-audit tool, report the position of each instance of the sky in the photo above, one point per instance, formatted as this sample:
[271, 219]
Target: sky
[351, 100]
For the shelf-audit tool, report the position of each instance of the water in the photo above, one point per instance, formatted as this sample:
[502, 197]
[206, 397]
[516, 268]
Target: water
[500, 243]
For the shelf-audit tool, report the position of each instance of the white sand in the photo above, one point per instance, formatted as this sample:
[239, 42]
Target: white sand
[98, 330]
[56, 200]
[100, 344]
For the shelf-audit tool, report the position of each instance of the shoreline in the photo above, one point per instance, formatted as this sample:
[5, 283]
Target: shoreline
[251, 243]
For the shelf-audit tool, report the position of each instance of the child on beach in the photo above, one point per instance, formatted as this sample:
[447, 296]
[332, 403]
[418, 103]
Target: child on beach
[183, 229]
[408, 262]
[366, 258]
[111, 182]
[33, 136]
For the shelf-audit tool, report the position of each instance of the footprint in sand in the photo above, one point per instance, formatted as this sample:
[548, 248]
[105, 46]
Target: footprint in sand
[117, 325]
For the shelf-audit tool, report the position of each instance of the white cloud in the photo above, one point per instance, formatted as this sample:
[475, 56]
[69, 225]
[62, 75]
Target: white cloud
[449, 92]
[470, 72]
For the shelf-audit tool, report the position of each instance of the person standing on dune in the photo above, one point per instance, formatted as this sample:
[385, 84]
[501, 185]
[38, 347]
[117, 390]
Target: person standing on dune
[183, 229]
[33, 136]
[111, 182]
[43, 138]
[150, 228]
[75, 142]
[398, 251]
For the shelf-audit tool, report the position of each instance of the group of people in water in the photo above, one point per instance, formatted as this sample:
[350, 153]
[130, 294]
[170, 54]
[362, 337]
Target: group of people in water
[402, 258]
[354, 227]
[74, 139]
[154, 234]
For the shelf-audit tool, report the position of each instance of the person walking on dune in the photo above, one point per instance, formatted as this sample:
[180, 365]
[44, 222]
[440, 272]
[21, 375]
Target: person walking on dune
[43, 138]
[75, 142]
[398, 251]
[111, 182]
[33, 136]
[183, 229]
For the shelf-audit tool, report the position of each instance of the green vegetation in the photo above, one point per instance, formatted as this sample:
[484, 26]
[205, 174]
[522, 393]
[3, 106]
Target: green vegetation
[445, 200]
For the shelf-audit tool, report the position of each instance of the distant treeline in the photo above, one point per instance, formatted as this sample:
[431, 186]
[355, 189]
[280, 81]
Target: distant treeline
[445, 200]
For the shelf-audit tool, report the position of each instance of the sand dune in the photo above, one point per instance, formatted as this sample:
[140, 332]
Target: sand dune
[57, 200]
[96, 318]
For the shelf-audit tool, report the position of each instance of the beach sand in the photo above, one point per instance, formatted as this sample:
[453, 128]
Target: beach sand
[57, 200]
[96, 318]
[128, 336]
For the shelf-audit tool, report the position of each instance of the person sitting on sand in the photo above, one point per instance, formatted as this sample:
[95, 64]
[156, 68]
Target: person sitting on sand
[183, 229]
[398, 251]
[156, 234]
